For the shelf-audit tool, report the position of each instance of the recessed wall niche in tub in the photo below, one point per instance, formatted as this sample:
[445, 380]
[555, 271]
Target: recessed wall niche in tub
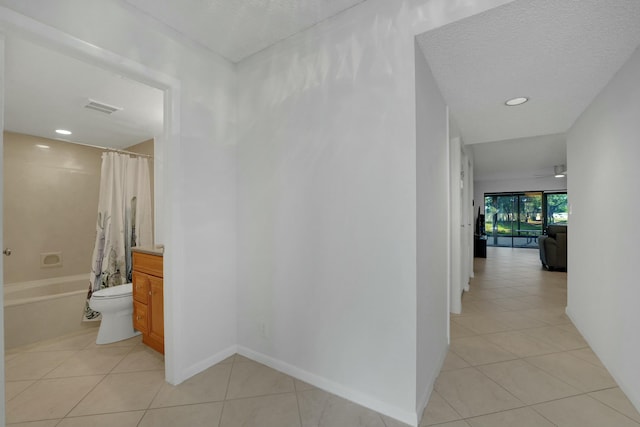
[50, 205]
[50, 199]
[44, 309]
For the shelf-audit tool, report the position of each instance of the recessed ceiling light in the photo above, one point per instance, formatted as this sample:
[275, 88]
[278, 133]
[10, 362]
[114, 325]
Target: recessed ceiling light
[559, 175]
[63, 131]
[43, 146]
[516, 101]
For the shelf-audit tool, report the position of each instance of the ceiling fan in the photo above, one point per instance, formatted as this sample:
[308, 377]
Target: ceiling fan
[559, 171]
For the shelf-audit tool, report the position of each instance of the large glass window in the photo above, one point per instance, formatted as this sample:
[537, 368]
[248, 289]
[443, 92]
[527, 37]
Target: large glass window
[557, 211]
[514, 219]
[517, 219]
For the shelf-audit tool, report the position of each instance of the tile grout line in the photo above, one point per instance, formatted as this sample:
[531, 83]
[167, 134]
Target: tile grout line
[517, 358]
[40, 380]
[609, 406]
[28, 387]
[295, 388]
[296, 391]
[43, 377]
[586, 393]
[104, 377]
[543, 416]
[226, 392]
[454, 409]
[146, 410]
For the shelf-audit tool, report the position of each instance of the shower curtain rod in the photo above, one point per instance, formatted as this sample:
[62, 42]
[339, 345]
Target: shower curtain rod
[117, 150]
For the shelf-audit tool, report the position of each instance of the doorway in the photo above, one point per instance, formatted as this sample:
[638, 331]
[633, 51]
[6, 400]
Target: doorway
[53, 39]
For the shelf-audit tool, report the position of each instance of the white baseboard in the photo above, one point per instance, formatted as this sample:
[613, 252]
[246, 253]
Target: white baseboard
[630, 392]
[360, 398]
[426, 394]
[202, 365]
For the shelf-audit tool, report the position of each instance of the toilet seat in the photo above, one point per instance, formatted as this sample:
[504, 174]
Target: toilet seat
[113, 292]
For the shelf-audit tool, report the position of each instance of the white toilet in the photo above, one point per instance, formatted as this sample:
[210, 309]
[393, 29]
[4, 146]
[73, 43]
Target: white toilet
[116, 306]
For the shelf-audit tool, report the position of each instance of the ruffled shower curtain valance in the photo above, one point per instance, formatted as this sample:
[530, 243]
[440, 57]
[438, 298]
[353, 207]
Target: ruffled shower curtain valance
[124, 221]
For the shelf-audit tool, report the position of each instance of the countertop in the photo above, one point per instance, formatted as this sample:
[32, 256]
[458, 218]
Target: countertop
[152, 250]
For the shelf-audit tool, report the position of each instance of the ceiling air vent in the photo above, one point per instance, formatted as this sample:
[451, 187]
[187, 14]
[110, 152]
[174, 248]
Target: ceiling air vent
[103, 108]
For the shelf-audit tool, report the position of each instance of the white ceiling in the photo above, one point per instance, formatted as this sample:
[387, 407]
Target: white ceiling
[45, 91]
[236, 29]
[560, 53]
[531, 157]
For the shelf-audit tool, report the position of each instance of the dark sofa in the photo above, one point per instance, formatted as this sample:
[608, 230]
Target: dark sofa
[553, 247]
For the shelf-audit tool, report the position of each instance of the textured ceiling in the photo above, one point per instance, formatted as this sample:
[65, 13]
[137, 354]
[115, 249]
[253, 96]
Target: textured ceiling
[519, 158]
[45, 91]
[560, 53]
[239, 28]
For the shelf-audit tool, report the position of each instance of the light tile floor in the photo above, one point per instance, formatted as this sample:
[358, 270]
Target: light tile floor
[71, 382]
[515, 360]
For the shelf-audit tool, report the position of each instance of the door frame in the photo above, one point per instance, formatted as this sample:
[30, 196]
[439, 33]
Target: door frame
[2, 394]
[167, 156]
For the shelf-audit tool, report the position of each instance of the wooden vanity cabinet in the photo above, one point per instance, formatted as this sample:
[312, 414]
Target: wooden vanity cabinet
[156, 312]
[148, 299]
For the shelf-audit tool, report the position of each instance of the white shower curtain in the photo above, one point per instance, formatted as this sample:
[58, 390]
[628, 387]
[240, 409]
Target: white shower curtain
[124, 221]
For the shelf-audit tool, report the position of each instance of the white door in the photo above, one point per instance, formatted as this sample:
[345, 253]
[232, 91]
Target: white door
[2, 411]
[455, 190]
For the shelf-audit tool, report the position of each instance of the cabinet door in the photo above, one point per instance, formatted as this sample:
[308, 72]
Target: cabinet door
[140, 317]
[140, 287]
[156, 309]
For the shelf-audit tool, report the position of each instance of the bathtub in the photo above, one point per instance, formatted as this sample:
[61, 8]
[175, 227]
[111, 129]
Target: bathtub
[44, 309]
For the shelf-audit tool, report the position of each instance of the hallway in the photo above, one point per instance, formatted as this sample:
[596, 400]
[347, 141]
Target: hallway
[517, 360]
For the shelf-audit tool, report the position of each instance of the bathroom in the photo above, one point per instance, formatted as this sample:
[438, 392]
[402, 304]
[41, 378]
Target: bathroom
[52, 181]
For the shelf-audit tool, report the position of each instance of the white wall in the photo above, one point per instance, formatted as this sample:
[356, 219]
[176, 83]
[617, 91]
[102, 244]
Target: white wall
[327, 288]
[514, 185]
[433, 217]
[327, 207]
[201, 265]
[604, 237]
